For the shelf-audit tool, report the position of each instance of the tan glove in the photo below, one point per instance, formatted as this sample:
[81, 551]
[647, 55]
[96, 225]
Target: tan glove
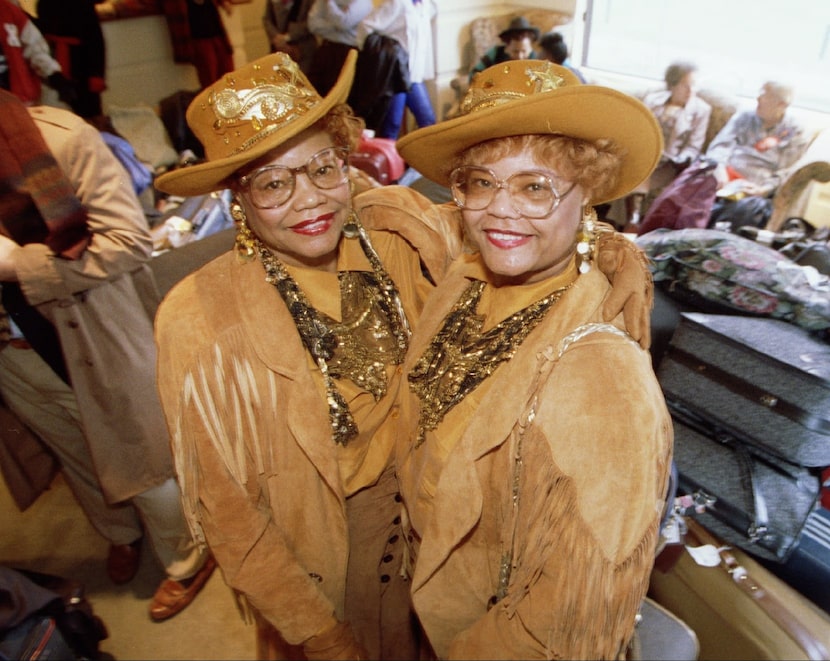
[334, 644]
[626, 267]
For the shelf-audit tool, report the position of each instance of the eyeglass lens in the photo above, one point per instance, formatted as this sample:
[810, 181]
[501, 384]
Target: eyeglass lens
[531, 193]
[273, 185]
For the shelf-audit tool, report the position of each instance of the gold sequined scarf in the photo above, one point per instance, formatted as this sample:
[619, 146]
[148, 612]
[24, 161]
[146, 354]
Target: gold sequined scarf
[460, 357]
[374, 331]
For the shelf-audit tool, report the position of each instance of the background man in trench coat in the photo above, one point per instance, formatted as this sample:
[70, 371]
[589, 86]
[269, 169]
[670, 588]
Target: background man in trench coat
[81, 299]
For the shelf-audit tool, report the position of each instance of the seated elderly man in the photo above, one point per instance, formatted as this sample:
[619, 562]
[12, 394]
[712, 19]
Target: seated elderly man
[753, 152]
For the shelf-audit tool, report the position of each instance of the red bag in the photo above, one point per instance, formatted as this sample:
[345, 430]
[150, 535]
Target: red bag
[686, 202]
[376, 165]
[395, 165]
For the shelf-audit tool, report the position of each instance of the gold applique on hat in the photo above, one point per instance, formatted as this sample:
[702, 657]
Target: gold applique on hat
[275, 98]
[546, 79]
[490, 92]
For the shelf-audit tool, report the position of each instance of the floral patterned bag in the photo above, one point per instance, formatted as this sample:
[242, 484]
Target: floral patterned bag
[721, 272]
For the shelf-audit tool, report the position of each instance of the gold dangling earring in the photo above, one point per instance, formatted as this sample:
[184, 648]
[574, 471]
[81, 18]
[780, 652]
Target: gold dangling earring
[586, 239]
[244, 245]
[351, 228]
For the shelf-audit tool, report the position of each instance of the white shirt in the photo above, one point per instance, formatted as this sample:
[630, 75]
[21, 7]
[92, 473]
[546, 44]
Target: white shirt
[409, 23]
[337, 20]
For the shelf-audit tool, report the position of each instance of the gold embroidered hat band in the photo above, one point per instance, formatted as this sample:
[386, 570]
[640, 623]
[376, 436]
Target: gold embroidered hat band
[248, 112]
[524, 97]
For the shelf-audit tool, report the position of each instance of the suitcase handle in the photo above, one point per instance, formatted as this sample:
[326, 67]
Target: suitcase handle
[756, 526]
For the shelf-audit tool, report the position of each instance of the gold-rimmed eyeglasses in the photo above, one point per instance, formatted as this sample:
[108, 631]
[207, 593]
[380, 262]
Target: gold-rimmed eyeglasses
[533, 194]
[273, 185]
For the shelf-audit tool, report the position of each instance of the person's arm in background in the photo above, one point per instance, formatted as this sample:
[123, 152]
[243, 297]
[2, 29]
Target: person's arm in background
[36, 52]
[328, 19]
[723, 144]
[94, 52]
[790, 150]
[121, 239]
[487, 60]
[110, 9]
[275, 22]
[699, 123]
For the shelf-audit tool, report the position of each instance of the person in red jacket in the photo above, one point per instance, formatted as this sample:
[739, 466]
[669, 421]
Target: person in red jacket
[199, 37]
[25, 60]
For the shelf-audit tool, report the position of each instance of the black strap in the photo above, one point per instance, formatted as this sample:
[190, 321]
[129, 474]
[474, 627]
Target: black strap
[750, 392]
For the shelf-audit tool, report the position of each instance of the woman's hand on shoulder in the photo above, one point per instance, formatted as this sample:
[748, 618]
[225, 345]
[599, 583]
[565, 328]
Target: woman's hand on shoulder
[632, 293]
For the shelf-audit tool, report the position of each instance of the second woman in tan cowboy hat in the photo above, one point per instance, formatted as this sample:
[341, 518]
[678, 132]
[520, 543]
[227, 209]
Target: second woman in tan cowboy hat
[279, 364]
[535, 443]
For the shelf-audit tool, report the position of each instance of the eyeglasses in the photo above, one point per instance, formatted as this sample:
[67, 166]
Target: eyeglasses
[273, 185]
[532, 194]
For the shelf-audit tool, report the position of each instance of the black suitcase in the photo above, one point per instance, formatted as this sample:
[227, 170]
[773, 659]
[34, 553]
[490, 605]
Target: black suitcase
[765, 381]
[748, 497]
[750, 399]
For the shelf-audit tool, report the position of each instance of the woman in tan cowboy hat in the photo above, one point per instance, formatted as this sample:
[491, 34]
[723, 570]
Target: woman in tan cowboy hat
[279, 365]
[535, 443]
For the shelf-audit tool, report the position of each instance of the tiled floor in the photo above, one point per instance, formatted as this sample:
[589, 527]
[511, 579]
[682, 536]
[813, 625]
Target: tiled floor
[53, 536]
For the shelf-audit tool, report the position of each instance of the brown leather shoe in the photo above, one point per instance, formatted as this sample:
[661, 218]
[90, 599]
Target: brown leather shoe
[174, 596]
[123, 561]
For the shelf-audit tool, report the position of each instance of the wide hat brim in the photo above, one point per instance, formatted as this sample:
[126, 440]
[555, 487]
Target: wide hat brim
[221, 160]
[505, 35]
[587, 112]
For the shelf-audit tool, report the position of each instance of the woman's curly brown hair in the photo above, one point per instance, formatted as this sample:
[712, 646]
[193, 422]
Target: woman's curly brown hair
[344, 127]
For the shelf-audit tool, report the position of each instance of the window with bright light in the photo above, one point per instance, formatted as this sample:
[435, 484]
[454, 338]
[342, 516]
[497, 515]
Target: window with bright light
[736, 44]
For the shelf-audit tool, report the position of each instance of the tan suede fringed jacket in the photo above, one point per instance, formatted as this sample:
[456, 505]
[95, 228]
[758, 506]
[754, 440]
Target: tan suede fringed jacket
[580, 407]
[249, 421]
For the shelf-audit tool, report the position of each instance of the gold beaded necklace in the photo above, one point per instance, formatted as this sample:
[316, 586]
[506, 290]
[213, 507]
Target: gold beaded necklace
[374, 331]
[460, 357]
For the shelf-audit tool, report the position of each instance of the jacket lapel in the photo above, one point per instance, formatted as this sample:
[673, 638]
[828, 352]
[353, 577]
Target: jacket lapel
[278, 346]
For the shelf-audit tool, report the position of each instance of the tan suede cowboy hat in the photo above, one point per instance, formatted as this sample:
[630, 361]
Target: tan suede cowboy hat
[248, 112]
[525, 97]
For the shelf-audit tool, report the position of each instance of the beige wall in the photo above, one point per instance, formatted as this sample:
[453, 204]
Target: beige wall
[140, 67]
